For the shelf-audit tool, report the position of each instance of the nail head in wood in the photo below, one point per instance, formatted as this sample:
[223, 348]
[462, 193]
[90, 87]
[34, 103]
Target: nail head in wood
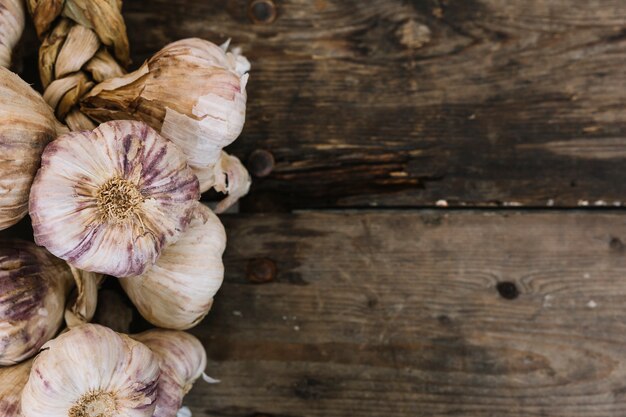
[262, 11]
[261, 163]
[261, 271]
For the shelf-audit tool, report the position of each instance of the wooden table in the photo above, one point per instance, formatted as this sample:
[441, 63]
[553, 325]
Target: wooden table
[440, 231]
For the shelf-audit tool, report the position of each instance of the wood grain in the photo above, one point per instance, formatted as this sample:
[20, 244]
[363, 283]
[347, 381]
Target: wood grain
[399, 314]
[406, 103]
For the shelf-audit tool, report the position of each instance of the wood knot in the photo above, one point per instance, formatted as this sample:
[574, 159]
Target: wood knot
[262, 11]
[507, 290]
[413, 35]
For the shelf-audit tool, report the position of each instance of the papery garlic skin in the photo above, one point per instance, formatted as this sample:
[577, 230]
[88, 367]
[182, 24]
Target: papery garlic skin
[227, 176]
[182, 360]
[91, 371]
[110, 200]
[177, 292]
[12, 381]
[33, 288]
[192, 91]
[11, 28]
[27, 124]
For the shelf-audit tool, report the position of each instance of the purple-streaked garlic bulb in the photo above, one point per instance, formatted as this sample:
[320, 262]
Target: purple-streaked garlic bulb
[92, 371]
[177, 292]
[34, 286]
[110, 200]
[182, 360]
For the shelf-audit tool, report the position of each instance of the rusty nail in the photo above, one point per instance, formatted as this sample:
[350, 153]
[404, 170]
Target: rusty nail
[262, 11]
[261, 163]
[261, 270]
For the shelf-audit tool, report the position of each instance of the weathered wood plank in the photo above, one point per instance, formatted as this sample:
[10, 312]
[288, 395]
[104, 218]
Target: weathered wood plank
[405, 103]
[405, 314]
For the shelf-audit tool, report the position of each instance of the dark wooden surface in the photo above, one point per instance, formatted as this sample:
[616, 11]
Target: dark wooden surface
[409, 104]
[406, 103]
[420, 314]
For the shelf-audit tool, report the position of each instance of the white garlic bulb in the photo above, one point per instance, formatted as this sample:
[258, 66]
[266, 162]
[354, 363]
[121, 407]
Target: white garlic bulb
[12, 381]
[192, 91]
[182, 360]
[11, 28]
[33, 288]
[91, 371]
[27, 124]
[177, 292]
[109, 200]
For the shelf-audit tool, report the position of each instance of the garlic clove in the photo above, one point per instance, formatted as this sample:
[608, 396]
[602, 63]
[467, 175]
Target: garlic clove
[11, 28]
[27, 124]
[182, 360]
[84, 301]
[91, 371]
[33, 288]
[110, 200]
[12, 381]
[227, 176]
[192, 91]
[177, 292]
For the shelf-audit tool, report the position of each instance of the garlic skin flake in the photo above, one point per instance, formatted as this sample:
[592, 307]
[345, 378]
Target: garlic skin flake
[182, 360]
[91, 371]
[110, 200]
[33, 288]
[12, 381]
[192, 91]
[177, 292]
[27, 124]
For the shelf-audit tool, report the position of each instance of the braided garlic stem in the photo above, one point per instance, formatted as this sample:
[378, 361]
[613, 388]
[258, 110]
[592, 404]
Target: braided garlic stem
[84, 42]
[11, 28]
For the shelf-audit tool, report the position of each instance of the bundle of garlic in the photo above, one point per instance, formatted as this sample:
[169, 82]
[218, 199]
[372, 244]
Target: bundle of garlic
[11, 27]
[76, 38]
[194, 93]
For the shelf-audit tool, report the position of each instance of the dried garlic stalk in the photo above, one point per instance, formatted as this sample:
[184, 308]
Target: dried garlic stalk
[177, 292]
[33, 288]
[77, 37]
[194, 93]
[11, 28]
[110, 200]
[26, 126]
[91, 371]
[182, 360]
[12, 381]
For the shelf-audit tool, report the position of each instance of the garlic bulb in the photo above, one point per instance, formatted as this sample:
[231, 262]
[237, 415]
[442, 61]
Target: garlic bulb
[192, 91]
[11, 28]
[33, 289]
[27, 124]
[12, 381]
[177, 292]
[182, 360]
[91, 371]
[109, 200]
